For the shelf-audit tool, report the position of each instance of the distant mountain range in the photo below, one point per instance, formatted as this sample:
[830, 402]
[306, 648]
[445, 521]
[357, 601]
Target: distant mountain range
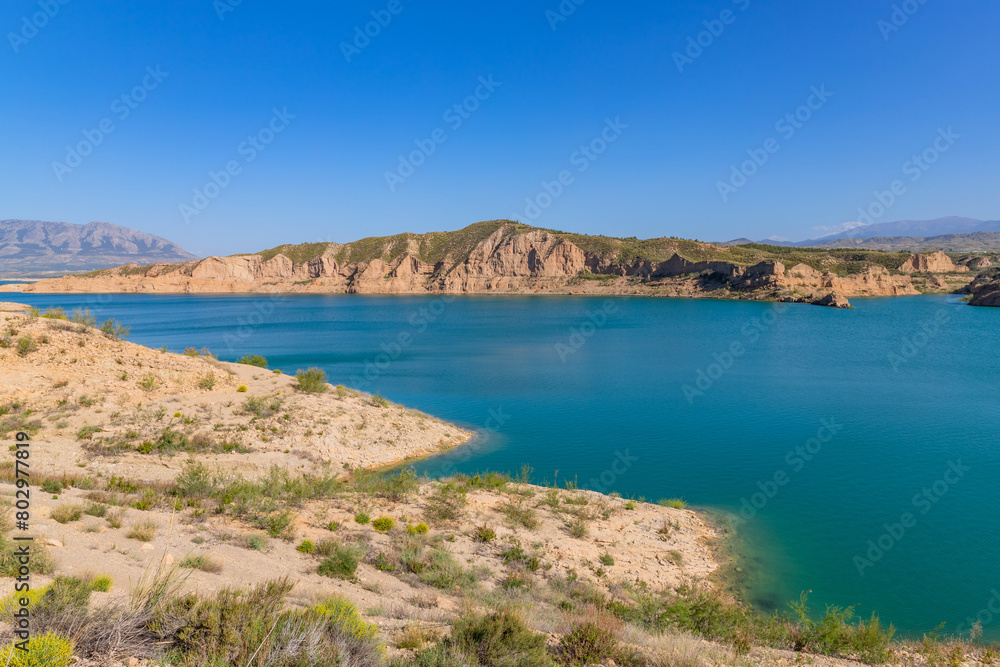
[35, 249]
[952, 234]
[914, 228]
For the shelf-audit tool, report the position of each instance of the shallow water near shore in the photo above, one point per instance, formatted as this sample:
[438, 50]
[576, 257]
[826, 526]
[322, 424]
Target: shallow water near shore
[819, 430]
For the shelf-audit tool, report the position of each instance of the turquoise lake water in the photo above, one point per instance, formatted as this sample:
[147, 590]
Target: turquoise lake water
[870, 436]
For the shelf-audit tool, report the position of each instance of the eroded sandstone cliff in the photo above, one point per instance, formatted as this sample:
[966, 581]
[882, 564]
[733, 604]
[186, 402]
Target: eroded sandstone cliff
[507, 257]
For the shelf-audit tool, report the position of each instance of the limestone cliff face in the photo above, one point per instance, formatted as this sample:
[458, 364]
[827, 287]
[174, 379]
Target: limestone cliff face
[985, 289]
[501, 262]
[931, 262]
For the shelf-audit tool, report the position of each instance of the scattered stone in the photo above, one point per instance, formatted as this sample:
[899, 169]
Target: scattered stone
[833, 300]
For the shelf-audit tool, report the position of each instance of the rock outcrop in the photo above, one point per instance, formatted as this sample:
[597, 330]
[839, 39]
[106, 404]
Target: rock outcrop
[985, 289]
[931, 262]
[833, 300]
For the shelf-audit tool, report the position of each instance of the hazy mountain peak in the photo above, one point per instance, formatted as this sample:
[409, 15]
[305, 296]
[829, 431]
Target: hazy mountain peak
[33, 248]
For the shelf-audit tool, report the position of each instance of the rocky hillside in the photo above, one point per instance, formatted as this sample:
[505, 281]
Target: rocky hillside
[985, 289]
[30, 249]
[507, 257]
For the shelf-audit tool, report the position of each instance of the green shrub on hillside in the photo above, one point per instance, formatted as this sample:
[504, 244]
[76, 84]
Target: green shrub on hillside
[253, 360]
[311, 381]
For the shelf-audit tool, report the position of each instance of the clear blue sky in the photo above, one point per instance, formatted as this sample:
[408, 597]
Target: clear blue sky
[323, 177]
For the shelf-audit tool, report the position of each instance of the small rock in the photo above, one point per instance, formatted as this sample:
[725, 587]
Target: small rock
[446, 604]
[147, 547]
[168, 559]
[133, 662]
[54, 543]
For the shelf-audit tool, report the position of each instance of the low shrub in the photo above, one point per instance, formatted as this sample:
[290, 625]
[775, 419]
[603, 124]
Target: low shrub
[485, 534]
[383, 524]
[144, 531]
[67, 513]
[253, 360]
[588, 644]
[311, 381]
[46, 650]
[341, 563]
[26, 345]
[203, 563]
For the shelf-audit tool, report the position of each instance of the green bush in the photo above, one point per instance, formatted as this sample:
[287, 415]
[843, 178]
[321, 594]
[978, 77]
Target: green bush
[588, 644]
[675, 503]
[311, 381]
[67, 513]
[47, 650]
[84, 317]
[345, 620]
[383, 524]
[101, 583]
[115, 329]
[419, 529]
[26, 345]
[307, 547]
[342, 563]
[498, 640]
[148, 382]
[485, 534]
[207, 381]
[362, 518]
[253, 360]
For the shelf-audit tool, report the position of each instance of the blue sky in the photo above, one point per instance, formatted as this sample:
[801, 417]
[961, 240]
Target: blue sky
[201, 78]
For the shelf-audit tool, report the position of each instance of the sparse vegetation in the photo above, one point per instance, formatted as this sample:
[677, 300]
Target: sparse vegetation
[144, 531]
[67, 513]
[203, 563]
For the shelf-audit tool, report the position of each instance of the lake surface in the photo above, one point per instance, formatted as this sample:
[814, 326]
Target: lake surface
[869, 436]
